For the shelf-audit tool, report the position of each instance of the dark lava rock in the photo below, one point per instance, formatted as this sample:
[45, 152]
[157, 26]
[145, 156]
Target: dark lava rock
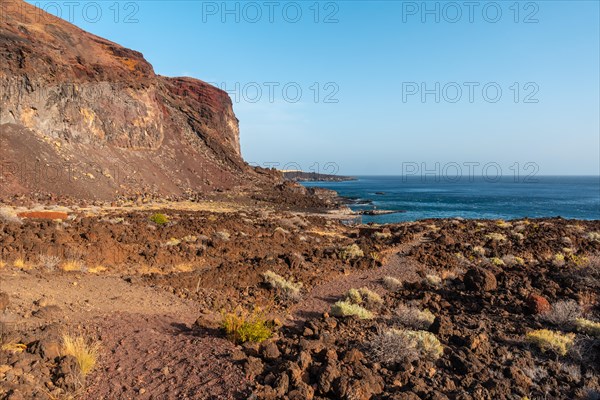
[480, 280]
[270, 351]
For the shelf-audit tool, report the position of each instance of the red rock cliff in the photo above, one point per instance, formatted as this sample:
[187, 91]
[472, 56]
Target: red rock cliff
[83, 116]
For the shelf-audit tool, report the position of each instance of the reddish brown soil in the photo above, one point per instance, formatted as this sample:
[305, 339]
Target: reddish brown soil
[142, 309]
[52, 215]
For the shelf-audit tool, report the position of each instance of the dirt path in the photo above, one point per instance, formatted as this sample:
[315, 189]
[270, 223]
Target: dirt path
[396, 264]
[147, 347]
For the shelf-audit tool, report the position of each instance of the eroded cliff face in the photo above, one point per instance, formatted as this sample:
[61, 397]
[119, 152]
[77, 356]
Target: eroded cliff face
[82, 116]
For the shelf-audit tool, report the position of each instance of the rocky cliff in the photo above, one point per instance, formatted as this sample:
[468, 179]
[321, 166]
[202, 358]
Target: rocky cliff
[82, 116]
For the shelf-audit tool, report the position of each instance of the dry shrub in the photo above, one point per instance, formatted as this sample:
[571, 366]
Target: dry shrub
[412, 317]
[287, 289]
[398, 346]
[563, 313]
[391, 283]
[546, 340]
[348, 309]
[48, 262]
[350, 252]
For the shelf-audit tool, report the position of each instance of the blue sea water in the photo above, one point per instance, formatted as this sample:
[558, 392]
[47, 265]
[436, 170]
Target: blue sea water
[575, 197]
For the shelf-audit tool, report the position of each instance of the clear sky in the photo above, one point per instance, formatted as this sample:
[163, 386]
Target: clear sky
[383, 82]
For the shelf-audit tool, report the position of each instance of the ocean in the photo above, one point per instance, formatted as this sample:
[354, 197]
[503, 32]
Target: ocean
[576, 197]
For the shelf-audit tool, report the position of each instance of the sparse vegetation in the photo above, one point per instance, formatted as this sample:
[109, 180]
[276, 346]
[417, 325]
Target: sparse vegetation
[593, 236]
[503, 224]
[433, 279]
[48, 262]
[159, 219]
[391, 283]
[84, 351]
[223, 235]
[497, 261]
[479, 250]
[496, 237]
[403, 346]
[347, 309]
[13, 347]
[558, 260]
[350, 252]
[412, 317]
[97, 269]
[21, 264]
[511, 261]
[364, 296]
[246, 326]
[382, 235]
[354, 296]
[588, 327]
[173, 242]
[546, 340]
[8, 215]
[190, 239]
[286, 288]
[563, 313]
[72, 266]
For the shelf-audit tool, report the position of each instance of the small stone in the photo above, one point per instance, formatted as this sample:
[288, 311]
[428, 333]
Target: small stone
[142, 391]
[270, 351]
[165, 371]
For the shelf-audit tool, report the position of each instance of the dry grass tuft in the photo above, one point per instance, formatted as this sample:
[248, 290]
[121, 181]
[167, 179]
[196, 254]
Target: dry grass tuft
[85, 352]
[21, 264]
[97, 269]
[72, 266]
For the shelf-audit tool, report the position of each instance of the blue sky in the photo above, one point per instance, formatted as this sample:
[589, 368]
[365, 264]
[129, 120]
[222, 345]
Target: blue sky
[362, 67]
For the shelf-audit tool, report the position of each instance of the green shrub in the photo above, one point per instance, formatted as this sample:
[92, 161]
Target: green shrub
[243, 326]
[159, 219]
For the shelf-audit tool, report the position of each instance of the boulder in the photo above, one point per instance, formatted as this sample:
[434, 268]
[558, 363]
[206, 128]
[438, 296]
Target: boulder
[480, 280]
